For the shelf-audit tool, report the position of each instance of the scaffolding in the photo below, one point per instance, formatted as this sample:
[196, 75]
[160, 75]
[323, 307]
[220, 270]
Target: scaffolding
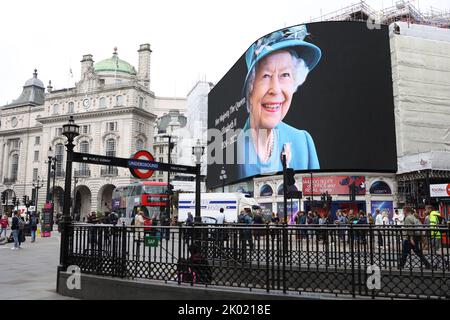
[404, 11]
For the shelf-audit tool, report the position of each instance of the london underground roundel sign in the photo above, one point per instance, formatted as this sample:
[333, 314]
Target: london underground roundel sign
[142, 173]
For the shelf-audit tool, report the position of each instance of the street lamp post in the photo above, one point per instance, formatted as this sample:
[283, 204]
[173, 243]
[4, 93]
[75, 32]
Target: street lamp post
[70, 130]
[50, 159]
[169, 189]
[37, 185]
[223, 177]
[197, 151]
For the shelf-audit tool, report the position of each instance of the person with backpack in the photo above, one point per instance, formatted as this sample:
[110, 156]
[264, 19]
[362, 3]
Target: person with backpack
[34, 220]
[15, 230]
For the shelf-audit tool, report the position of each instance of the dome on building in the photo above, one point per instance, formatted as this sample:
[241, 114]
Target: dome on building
[115, 64]
[34, 81]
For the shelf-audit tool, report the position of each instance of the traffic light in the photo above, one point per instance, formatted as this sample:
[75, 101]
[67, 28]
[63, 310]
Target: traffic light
[290, 180]
[323, 197]
[24, 199]
[3, 196]
[14, 200]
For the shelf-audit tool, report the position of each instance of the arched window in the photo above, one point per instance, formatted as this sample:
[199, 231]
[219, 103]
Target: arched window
[281, 187]
[14, 166]
[84, 148]
[71, 108]
[139, 144]
[266, 191]
[119, 101]
[102, 103]
[380, 187]
[59, 155]
[56, 108]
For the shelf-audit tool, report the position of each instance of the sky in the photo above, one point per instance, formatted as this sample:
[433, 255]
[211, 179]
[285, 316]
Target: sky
[191, 40]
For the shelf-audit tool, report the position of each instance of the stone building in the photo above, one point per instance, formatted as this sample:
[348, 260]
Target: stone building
[116, 110]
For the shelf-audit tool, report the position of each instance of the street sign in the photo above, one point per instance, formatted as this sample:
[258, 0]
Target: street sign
[131, 163]
[141, 173]
[151, 241]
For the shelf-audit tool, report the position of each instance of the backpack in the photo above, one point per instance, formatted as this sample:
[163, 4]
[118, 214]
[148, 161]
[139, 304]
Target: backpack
[21, 224]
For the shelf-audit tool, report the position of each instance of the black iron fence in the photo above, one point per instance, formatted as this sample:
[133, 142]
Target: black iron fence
[387, 261]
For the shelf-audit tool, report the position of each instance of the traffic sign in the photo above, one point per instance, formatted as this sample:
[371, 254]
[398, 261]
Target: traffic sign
[151, 241]
[142, 173]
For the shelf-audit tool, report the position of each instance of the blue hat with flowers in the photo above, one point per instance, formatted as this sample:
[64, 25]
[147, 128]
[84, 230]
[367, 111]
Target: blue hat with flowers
[288, 38]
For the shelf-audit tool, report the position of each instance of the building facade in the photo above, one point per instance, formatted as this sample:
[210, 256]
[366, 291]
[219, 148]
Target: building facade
[116, 111]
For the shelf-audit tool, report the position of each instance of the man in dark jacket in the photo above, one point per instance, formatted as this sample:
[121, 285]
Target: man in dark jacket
[33, 226]
[15, 230]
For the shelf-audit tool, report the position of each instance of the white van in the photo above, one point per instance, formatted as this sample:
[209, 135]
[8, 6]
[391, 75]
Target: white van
[211, 203]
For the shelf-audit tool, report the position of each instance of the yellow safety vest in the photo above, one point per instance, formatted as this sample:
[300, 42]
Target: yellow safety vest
[434, 221]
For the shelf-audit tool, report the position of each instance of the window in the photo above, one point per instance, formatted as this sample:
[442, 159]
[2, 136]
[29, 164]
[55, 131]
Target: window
[85, 129]
[58, 132]
[35, 174]
[59, 154]
[37, 140]
[141, 102]
[110, 152]
[56, 108]
[71, 108]
[141, 127]
[14, 166]
[111, 126]
[139, 144]
[36, 156]
[15, 144]
[102, 103]
[161, 149]
[84, 148]
[161, 159]
[119, 101]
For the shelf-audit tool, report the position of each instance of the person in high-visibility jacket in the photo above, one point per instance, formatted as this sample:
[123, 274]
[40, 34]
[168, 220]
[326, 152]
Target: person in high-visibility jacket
[435, 235]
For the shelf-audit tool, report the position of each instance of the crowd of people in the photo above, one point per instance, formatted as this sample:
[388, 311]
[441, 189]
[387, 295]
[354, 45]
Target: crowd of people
[20, 225]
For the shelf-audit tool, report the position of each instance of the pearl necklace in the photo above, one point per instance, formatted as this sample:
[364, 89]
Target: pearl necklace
[269, 147]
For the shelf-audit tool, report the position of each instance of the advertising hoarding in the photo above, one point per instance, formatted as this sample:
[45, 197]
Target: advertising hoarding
[333, 185]
[320, 93]
[440, 190]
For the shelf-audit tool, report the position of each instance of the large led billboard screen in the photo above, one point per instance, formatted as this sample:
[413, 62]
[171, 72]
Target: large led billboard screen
[321, 93]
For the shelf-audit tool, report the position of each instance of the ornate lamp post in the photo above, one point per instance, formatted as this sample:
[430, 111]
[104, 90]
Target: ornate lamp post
[197, 151]
[70, 130]
[223, 177]
[37, 185]
[169, 189]
[50, 159]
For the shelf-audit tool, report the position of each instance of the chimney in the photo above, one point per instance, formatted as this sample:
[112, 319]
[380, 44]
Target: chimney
[144, 65]
[86, 64]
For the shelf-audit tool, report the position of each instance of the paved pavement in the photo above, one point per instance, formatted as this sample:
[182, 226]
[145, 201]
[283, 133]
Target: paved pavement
[30, 273]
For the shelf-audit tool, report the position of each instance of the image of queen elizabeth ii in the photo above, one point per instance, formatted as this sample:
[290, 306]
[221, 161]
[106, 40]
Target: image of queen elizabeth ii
[277, 65]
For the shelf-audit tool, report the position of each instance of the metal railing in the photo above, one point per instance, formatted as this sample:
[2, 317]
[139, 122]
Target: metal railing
[9, 180]
[109, 171]
[82, 173]
[387, 261]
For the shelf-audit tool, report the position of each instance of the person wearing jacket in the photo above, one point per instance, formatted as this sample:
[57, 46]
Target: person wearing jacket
[4, 223]
[435, 235]
[15, 230]
[411, 240]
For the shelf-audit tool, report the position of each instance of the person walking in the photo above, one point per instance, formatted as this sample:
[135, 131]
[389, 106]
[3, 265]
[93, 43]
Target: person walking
[435, 235]
[411, 240]
[33, 226]
[246, 234]
[15, 230]
[379, 226]
[4, 224]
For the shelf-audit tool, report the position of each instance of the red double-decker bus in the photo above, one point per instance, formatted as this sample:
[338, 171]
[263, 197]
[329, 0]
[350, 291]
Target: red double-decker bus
[149, 196]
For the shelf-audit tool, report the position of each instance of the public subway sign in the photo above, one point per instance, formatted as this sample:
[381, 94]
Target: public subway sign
[131, 163]
[440, 190]
[333, 185]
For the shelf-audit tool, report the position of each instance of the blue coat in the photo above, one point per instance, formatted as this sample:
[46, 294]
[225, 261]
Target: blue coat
[303, 151]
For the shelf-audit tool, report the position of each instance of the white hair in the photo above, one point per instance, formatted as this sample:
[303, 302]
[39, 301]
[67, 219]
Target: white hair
[300, 73]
